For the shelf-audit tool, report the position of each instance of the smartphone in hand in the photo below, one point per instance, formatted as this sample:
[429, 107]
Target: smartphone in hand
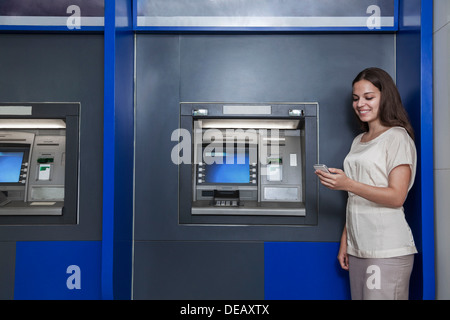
[321, 167]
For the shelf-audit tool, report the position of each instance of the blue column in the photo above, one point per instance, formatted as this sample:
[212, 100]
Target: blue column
[118, 151]
[108, 152]
[414, 80]
[426, 111]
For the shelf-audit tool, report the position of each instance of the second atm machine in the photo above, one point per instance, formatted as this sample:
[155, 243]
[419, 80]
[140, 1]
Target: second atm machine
[38, 163]
[248, 163]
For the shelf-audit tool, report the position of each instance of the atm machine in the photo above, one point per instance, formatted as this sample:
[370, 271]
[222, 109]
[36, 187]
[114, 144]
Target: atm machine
[38, 162]
[250, 163]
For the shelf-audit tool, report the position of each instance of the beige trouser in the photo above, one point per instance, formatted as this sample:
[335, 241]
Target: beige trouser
[380, 278]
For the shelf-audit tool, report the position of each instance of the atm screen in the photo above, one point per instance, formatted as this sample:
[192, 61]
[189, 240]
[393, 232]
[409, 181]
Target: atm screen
[10, 166]
[228, 168]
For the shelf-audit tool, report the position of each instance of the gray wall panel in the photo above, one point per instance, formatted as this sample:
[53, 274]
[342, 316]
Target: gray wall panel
[244, 68]
[7, 265]
[173, 261]
[61, 68]
[157, 115]
[199, 270]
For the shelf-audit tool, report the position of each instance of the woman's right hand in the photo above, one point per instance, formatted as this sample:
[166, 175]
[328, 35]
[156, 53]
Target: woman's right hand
[343, 259]
[342, 255]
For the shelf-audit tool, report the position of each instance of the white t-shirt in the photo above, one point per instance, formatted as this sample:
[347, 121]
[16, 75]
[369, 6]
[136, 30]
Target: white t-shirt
[373, 230]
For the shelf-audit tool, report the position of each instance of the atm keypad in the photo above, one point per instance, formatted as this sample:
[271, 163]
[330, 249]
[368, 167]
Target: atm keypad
[226, 203]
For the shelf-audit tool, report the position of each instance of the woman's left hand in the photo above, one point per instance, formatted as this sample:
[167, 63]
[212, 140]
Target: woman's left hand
[336, 180]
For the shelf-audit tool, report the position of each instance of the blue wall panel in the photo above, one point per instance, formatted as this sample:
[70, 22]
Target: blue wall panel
[67, 270]
[414, 80]
[118, 152]
[304, 271]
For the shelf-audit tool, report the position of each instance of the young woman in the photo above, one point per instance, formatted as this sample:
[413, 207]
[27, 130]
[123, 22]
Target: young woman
[377, 246]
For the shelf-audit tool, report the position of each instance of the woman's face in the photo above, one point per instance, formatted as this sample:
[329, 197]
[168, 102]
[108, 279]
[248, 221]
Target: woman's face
[366, 101]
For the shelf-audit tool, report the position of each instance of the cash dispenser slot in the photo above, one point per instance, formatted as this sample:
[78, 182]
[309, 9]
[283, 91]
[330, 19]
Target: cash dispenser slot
[226, 198]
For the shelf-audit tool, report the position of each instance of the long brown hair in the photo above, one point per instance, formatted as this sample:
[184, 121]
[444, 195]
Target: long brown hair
[391, 112]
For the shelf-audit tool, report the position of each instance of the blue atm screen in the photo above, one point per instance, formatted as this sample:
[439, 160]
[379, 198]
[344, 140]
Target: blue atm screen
[236, 172]
[10, 165]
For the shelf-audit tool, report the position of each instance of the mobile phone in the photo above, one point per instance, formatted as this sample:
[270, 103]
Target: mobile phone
[321, 167]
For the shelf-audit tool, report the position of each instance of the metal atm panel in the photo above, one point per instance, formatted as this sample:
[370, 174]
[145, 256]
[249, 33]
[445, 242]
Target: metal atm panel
[249, 164]
[38, 163]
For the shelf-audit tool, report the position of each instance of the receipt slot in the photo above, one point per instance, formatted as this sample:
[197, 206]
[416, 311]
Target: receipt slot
[38, 162]
[248, 163]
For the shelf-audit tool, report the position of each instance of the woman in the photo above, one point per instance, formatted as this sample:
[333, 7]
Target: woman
[377, 246]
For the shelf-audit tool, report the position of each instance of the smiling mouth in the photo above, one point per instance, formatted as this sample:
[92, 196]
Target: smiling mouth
[363, 111]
